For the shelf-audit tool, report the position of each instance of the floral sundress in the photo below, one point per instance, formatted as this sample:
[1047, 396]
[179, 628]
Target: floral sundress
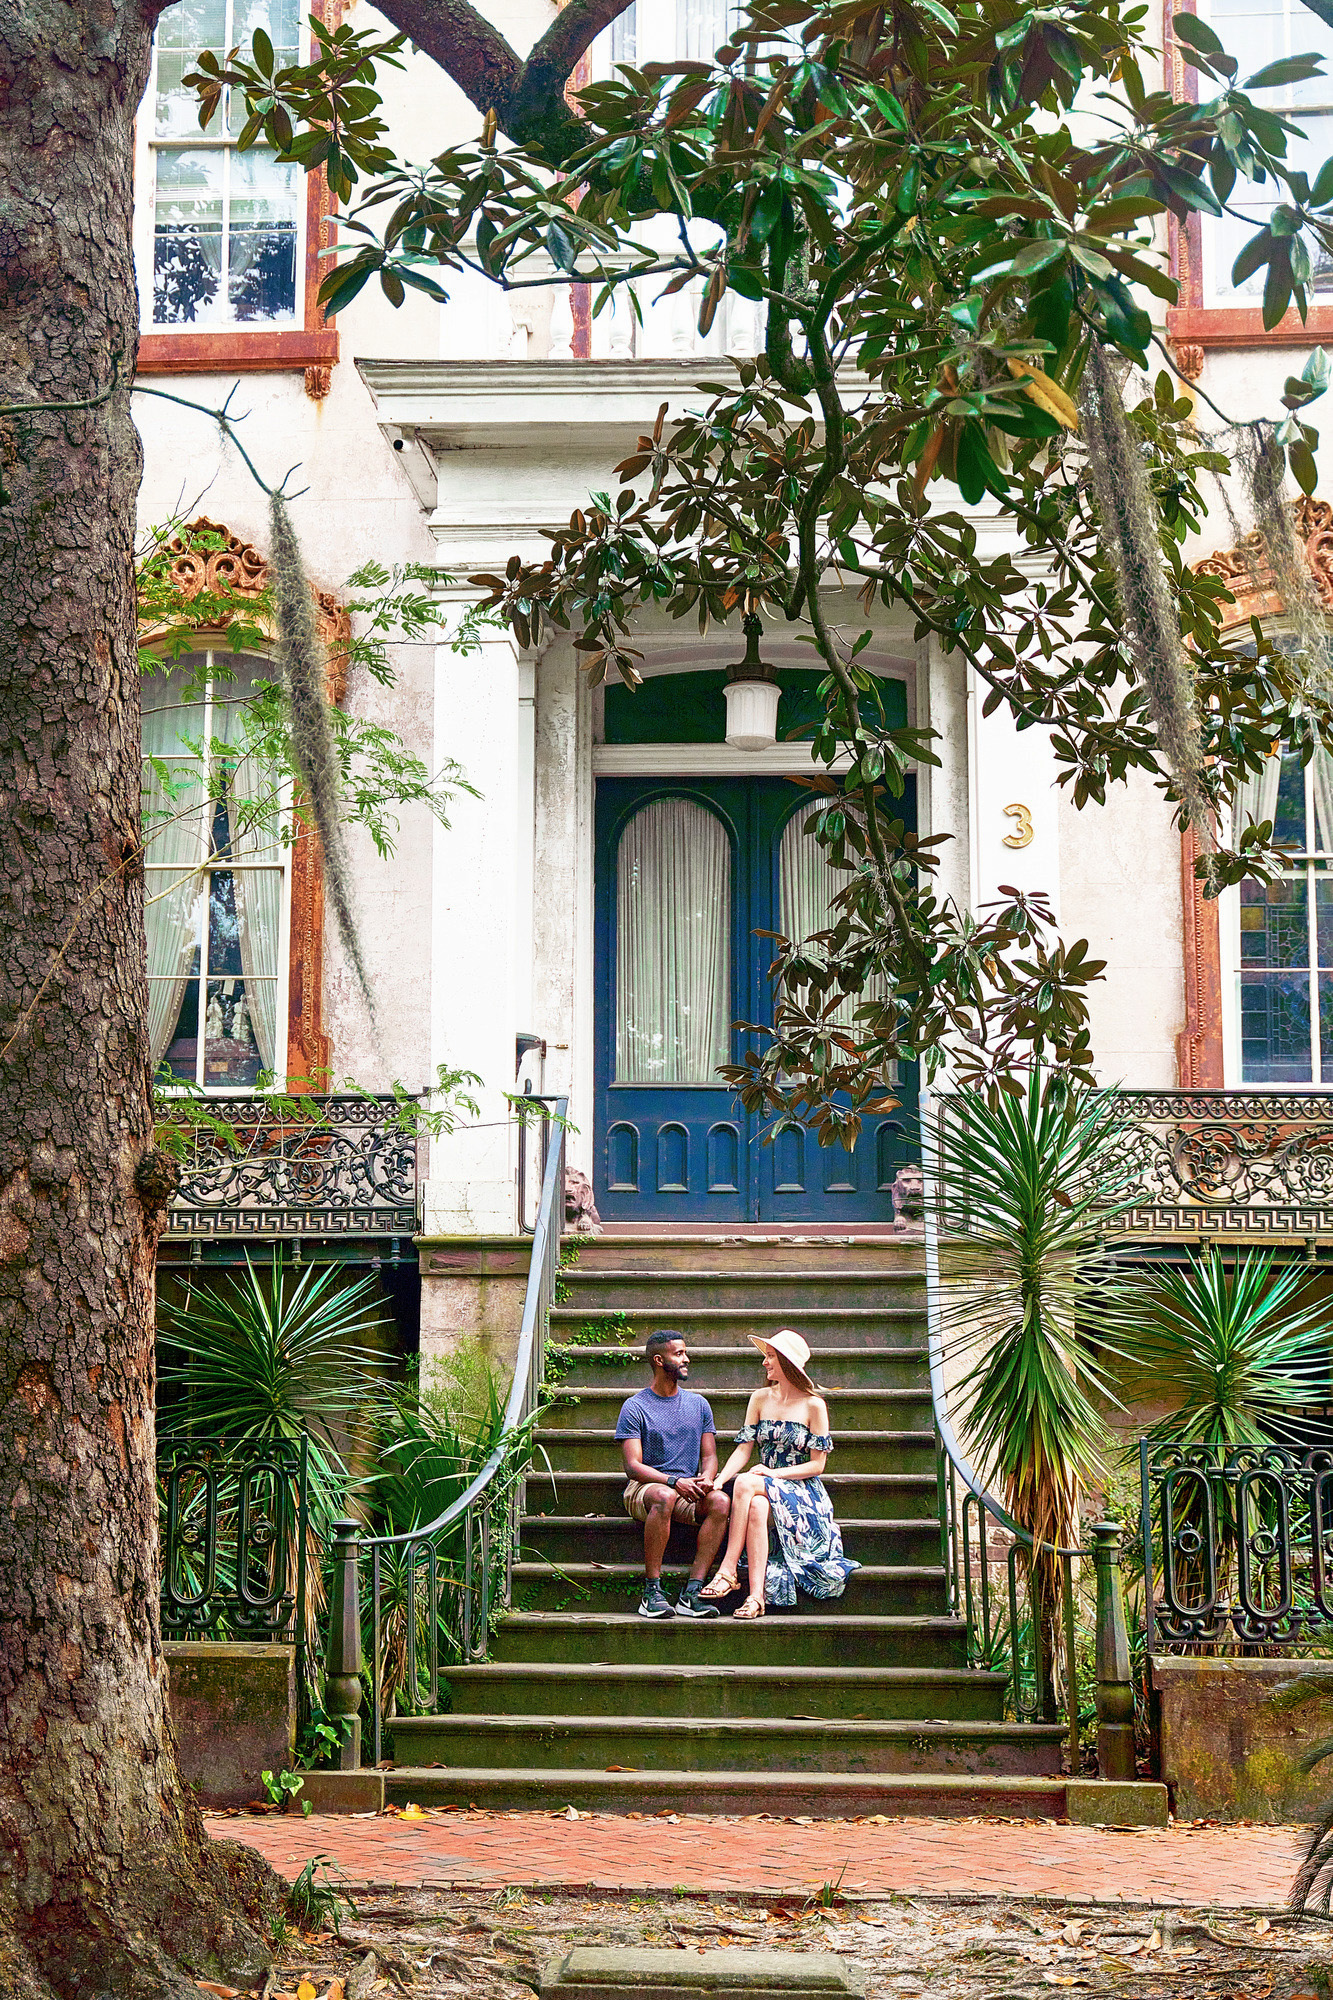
[805, 1545]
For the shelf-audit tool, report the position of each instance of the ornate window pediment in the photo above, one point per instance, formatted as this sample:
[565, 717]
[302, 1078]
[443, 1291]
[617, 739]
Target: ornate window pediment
[1245, 572]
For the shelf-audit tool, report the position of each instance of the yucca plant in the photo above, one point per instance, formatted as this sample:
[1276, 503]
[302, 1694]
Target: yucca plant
[1313, 1886]
[431, 1444]
[271, 1356]
[1232, 1348]
[1028, 1184]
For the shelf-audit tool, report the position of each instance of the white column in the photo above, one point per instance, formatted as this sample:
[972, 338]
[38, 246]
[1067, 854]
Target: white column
[473, 944]
[1013, 804]
[562, 903]
[524, 834]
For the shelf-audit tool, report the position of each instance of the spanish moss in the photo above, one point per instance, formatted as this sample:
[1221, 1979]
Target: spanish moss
[1264, 465]
[302, 664]
[1130, 522]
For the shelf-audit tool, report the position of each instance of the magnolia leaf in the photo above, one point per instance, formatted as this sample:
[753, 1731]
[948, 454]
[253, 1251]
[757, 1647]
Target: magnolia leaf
[1046, 394]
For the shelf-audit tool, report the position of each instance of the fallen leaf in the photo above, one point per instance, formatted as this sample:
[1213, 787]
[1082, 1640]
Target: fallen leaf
[1155, 1941]
[305, 1990]
[1073, 1932]
[624, 1767]
[223, 1992]
[1262, 1927]
[335, 1991]
[412, 1811]
[570, 1812]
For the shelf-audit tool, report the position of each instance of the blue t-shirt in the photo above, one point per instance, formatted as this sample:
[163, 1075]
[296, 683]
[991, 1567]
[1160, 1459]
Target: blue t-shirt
[670, 1429]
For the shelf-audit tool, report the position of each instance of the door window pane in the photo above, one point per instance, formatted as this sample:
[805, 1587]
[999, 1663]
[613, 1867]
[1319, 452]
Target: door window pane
[807, 885]
[673, 929]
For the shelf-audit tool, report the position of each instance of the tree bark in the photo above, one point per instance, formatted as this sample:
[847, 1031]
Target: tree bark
[108, 1884]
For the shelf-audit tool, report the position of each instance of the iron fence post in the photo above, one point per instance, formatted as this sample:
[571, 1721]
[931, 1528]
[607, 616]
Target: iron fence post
[342, 1675]
[1115, 1686]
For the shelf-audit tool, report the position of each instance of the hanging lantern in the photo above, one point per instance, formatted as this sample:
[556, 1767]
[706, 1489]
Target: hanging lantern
[752, 695]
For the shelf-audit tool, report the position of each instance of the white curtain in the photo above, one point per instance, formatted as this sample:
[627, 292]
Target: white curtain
[176, 843]
[1258, 797]
[673, 926]
[251, 789]
[807, 884]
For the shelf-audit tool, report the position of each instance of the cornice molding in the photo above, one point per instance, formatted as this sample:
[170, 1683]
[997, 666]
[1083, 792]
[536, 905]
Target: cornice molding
[1246, 573]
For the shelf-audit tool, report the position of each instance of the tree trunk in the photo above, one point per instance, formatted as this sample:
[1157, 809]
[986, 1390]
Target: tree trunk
[108, 1884]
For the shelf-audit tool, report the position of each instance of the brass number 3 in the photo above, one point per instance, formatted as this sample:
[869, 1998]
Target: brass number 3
[1023, 828]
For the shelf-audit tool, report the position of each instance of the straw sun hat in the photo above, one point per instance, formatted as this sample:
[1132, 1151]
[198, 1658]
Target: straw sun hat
[792, 1349]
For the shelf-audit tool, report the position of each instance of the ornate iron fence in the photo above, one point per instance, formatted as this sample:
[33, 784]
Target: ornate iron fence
[333, 1166]
[1237, 1547]
[1235, 1162]
[235, 1531]
[437, 1588]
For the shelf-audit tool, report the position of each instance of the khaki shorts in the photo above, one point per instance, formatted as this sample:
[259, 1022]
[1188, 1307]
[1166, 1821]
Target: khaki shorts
[636, 1503]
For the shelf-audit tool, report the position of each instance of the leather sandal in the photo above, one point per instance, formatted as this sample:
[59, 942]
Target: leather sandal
[753, 1607]
[723, 1584]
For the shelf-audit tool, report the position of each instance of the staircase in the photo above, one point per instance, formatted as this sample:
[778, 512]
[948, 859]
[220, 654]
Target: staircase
[861, 1704]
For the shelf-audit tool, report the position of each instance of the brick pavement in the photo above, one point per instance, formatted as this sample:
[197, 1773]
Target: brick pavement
[1229, 1867]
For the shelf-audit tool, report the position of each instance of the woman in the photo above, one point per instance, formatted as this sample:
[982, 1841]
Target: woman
[788, 1419]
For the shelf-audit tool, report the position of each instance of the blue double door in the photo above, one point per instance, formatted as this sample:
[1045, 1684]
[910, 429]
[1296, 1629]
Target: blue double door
[689, 873]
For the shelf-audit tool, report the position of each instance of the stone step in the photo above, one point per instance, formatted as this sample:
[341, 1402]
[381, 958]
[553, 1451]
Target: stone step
[721, 1254]
[873, 1327]
[854, 1452]
[719, 1369]
[762, 1290]
[784, 1794]
[872, 1592]
[565, 1538]
[850, 1410]
[787, 1639]
[583, 1478]
[645, 1744]
[857, 1694]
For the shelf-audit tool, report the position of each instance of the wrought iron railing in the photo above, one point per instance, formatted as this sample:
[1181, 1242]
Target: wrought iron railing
[234, 1541]
[445, 1581]
[1237, 1547]
[1006, 1629]
[340, 1165]
[1234, 1162]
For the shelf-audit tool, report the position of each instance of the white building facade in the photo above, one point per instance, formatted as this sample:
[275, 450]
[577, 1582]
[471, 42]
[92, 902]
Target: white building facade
[602, 892]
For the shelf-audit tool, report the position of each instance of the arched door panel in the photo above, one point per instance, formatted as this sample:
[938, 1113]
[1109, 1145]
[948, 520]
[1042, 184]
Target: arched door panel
[688, 873]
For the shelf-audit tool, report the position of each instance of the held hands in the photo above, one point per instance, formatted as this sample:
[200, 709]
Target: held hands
[694, 1489]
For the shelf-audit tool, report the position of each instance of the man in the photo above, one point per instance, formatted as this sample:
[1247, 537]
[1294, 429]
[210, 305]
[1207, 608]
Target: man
[669, 1443]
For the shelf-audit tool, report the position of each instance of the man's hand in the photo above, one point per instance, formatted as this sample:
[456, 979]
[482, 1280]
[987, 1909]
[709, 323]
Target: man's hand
[694, 1489]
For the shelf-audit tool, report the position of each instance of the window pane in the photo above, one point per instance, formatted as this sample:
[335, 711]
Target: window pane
[673, 932]
[625, 36]
[281, 22]
[1275, 1027]
[261, 281]
[1258, 32]
[231, 1053]
[187, 235]
[174, 917]
[183, 33]
[1273, 923]
[701, 28]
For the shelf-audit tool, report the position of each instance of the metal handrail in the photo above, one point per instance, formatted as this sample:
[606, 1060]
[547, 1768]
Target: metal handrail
[473, 1508]
[955, 1529]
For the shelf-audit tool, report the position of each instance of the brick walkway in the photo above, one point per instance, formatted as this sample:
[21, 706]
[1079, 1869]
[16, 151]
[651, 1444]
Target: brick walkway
[1230, 1867]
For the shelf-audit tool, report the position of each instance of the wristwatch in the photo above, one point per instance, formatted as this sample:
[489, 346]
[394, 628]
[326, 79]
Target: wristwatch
[671, 1479]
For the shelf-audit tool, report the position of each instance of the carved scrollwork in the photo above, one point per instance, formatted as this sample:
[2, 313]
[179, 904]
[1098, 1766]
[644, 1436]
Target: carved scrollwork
[1246, 572]
[1229, 1160]
[237, 568]
[343, 1169]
